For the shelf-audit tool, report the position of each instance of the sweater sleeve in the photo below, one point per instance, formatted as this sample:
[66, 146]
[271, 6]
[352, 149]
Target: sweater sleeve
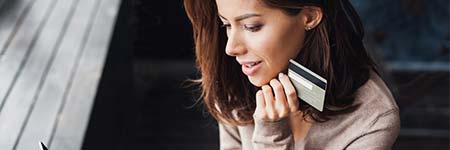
[229, 137]
[381, 134]
[273, 135]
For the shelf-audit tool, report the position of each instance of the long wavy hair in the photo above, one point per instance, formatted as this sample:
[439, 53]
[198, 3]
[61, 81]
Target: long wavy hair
[333, 49]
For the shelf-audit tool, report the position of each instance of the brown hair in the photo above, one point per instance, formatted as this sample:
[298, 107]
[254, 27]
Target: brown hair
[333, 49]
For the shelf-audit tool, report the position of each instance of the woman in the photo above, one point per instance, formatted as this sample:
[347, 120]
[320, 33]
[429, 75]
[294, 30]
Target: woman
[243, 48]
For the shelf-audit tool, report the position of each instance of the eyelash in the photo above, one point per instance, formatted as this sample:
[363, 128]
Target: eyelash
[251, 28]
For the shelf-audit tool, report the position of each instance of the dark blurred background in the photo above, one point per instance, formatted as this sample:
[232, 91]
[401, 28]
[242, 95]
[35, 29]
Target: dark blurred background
[142, 104]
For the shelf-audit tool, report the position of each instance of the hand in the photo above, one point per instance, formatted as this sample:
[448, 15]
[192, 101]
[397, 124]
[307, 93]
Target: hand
[276, 105]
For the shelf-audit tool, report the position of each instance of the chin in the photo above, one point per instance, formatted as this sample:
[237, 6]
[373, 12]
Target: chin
[258, 81]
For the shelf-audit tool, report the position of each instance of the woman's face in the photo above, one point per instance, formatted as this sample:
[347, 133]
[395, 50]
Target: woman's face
[262, 39]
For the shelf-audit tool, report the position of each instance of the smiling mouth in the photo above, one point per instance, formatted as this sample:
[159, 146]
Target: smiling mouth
[250, 69]
[252, 64]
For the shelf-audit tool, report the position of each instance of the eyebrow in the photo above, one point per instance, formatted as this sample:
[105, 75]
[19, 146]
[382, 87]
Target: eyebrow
[242, 17]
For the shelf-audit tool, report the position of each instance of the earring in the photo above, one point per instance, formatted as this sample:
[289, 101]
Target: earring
[308, 28]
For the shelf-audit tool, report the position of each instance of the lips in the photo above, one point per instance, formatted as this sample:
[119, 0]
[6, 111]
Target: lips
[250, 68]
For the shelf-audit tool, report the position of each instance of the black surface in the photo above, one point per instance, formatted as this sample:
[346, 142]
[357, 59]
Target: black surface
[111, 122]
[140, 103]
[162, 29]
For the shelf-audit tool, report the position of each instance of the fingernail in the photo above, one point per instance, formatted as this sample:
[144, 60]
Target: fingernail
[280, 75]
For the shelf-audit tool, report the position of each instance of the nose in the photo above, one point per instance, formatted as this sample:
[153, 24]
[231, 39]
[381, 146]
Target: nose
[235, 45]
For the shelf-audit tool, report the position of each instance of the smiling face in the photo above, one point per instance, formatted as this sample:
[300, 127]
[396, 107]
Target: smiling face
[262, 39]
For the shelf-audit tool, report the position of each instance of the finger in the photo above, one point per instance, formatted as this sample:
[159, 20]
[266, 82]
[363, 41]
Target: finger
[260, 110]
[269, 99]
[281, 105]
[260, 102]
[290, 92]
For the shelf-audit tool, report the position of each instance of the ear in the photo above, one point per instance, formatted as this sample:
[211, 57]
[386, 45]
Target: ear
[311, 16]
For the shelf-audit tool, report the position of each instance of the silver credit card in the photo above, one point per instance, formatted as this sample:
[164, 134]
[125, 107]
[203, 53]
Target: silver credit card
[310, 87]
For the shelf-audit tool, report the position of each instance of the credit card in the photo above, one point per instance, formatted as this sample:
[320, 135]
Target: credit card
[310, 87]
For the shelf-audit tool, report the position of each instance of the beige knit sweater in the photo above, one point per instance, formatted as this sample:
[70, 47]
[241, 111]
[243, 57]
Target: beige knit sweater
[374, 125]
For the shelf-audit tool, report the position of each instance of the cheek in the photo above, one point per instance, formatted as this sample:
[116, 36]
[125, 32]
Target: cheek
[266, 45]
[286, 44]
[276, 48]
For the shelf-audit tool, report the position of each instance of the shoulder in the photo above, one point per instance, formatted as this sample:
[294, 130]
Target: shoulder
[374, 101]
[376, 104]
[374, 96]
[376, 119]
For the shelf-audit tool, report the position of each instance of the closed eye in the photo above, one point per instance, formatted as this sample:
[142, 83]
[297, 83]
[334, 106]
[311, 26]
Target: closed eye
[253, 28]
